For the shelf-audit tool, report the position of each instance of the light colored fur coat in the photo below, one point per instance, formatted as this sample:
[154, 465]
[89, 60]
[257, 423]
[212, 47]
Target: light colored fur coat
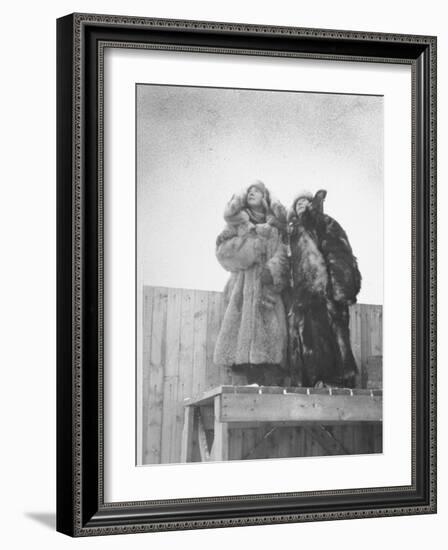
[253, 329]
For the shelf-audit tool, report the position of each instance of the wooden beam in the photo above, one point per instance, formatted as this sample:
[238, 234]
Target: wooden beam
[220, 449]
[207, 414]
[205, 398]
[186, 452]
[326, 440]
[322, 408]
[260, 444]
[202, 440]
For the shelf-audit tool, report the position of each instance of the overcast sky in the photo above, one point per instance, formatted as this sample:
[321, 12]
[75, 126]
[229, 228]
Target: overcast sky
[198, 146]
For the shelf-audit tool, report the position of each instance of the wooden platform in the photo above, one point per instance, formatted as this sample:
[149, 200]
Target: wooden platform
[180, 328]
[225, 407]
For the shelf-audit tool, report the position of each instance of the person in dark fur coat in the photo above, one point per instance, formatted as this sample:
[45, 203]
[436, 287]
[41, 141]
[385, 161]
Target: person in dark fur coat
[325, 281]
[253, 335]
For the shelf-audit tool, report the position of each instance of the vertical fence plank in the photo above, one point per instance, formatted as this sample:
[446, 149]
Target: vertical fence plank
[214, 319]
[225, 374]
[376, 320]
[299, 442]
[380, 327]
[378, 438]
[355, 333]
[293, 442]
[283, 441]
[156, 375]
[249, 441]
[365, 335]
[200, 341]
[148, 300]
[185, 366]
[172, 408]
[185, 371]
[236, 444]
[354, 438]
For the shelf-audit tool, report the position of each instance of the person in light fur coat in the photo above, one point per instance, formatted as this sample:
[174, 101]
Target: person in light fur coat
[253, 335]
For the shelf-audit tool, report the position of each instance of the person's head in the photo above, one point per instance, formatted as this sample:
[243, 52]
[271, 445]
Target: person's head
[257, 196]
[302, 202]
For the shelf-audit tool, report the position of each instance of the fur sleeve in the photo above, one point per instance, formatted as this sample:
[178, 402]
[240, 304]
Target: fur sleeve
[277, 216]
[278, 266]
[240, 252]
[341, 263]
[234, 213]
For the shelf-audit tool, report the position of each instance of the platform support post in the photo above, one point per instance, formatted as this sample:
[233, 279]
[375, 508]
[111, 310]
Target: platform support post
[220, 449]
[186, 451]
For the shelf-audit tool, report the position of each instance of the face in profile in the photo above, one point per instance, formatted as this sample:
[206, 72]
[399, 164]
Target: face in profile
[255, 198]
[301, 205]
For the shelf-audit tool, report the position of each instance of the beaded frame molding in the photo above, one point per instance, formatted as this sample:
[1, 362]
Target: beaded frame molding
[81, 39]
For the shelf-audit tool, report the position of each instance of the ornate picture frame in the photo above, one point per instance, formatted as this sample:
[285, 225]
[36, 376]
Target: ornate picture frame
[81, 506]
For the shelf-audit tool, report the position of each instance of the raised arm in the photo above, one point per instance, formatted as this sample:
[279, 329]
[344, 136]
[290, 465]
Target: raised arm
[241, 251]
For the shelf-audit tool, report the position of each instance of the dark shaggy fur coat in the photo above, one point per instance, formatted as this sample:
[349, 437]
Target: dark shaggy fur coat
[254, 328]
[325, 281]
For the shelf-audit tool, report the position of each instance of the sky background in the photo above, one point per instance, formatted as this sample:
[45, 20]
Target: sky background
[196, 147]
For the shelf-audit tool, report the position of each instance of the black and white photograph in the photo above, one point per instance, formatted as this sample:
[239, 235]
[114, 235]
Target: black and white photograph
[247, 274]
[259, 273]
[221, 248]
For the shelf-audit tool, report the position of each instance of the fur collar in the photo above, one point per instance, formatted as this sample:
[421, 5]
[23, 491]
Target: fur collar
[235, 212]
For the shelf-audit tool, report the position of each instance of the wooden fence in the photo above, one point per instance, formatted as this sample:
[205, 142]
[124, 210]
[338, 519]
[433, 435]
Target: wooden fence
[180, 328]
